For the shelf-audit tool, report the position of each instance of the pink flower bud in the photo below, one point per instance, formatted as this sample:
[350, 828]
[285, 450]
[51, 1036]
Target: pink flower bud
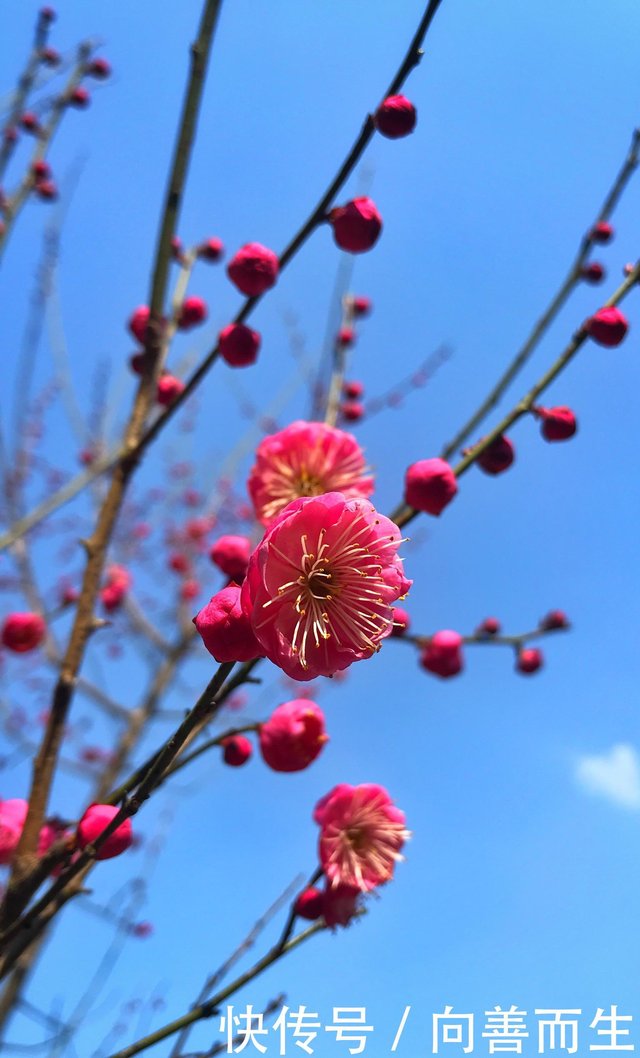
[253, 269]
[489, 627]
[193, 312]
[12, 816]
[47, 190]
[443, 654]
[169, 388]
[309, 904]
[607, 327]
[22, 632]
[236, 750]
[395, 117]
[230, 554]
[142, 929]
[197, 528]
[79, 97]
[593, 272]
[353, 390]
[401, 621]
[177, 249]
[138, 323]
[47, 14]
[340, 904]
[50, 57]
[211, 250]
[601, 232]
[558, 424]
[94, 821]
[190, 590]
[430, 485]
[628, 268]
[346, 337]
[554, 620]
[29, 122]
[99, 68]
[239, 345]
[360, 305]
[68, 595]
[293, 736]
[225, 630]
[351, 410]
[498, 456]
[357, 225]
[179, 562]
[529, 660]
[41, 169]
[112, 597]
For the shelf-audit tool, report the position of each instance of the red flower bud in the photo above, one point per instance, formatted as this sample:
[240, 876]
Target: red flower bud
[99, 68]
[529, 660]
[401, 621]
[601, 232]
[554, 620]
[142, 929]
[360, 305]
[177, 249]
[356, 226]
[353, 390]
[211, 250]
[79, 97]
[225, 630]
[94, 821]
[168, 389]
[46, 190]
[351, 410]
[340, 904]
[22, 632]
[189, 590]
[236, 750]
[558, 424]
[293, 736]
[489, 627]
[443, 655]
[239, 345]
[230, 554]
[309, 904]
[498, 457]
[607, 327]
[41, 169]
[346, 337]
[593, 272]
[29, 122]
[179, 562]
[47, 14]
[50, 57]
[395, 117]
[193, 312]
[430, 485]
[253, 269]
[10, 134]
[138, 321]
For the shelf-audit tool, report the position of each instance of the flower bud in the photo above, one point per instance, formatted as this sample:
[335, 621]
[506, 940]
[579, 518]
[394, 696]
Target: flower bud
[498, 456]
[395, 117]
[430, 485]
[12, 816]
[94, 821]
[340, 904]
[211, 250]
[47, 190]
[225, 630]
[239, 345]
[489, 627]
[529, 660]
[360, 305]
[138, 322]
[443, 655]
[179, 562]
[401, 621]
[351, 410]
[293, 736]
[29, 122]
[41, 170]
[356, 225]
[230, 554]
[309, 904]
[79, 97]
[346, 337]
[99, 68]
[169, 388]
[50, 57]
[558, 424]
[593, 272]
[192, 312]
[236, 750]
[601, 232]
[353, 390]
[253, 269]
[607, 327]
[189, 590]
[553, 621]
[22, 632]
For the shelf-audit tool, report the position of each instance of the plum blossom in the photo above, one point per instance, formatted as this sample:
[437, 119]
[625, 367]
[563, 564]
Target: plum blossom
[306, 459]
[361, 834]
[321, 586]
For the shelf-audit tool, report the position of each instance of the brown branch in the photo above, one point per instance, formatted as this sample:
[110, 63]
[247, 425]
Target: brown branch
[25, 84]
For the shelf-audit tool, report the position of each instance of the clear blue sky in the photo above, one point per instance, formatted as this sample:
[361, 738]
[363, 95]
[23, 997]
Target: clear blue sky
[520, 885]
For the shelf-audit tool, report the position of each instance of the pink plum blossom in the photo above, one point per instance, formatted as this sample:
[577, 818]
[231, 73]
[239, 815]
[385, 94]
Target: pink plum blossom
[321, 585]
[361, 834]
[306, 459]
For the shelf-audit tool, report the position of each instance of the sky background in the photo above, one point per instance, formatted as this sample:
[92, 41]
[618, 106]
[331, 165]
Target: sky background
[521, 880]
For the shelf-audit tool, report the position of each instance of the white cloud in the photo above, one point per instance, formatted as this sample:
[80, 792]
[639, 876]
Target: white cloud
[614, 775]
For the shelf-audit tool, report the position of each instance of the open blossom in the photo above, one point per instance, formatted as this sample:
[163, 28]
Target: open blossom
[12, 816]
[361, 834]
[321, 585]
[306, 459]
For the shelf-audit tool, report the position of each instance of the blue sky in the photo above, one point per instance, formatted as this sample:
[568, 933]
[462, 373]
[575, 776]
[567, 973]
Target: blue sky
[523, 794]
